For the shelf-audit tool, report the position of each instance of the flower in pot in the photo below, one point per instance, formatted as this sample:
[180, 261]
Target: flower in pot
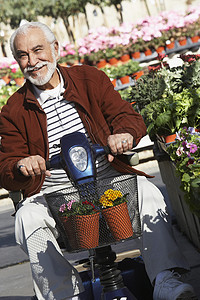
[115, 213]
[81, 223]
[185, 153]
[169, 98]
[17, 75]
[112, 55]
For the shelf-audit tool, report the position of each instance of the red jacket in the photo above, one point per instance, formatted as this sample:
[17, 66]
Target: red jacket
[23, 127]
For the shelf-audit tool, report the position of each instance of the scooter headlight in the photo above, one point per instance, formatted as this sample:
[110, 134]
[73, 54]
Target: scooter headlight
[78, 156]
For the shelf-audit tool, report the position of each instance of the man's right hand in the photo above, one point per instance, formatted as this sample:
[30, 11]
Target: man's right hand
[32, 166]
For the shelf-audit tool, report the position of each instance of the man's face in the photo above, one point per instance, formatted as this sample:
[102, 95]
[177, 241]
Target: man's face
[36, 56]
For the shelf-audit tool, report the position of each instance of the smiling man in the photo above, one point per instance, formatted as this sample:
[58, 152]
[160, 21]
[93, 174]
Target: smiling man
[53, 102]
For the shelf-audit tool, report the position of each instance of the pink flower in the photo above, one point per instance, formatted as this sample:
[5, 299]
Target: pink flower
[69, 204]
[193, 147]
[179, 151]
[62, 208]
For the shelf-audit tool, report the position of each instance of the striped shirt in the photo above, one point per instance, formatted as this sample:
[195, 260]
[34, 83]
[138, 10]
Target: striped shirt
[62, 119]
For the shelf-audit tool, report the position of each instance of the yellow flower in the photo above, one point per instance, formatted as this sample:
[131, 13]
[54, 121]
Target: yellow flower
[113, 195]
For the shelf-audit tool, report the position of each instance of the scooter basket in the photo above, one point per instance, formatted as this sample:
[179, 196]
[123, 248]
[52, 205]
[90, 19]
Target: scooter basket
[127, 184]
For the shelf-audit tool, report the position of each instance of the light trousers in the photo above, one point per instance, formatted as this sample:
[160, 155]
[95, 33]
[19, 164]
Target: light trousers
[55, 279]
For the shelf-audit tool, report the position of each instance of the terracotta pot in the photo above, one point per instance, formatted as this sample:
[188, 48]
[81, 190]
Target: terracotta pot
[19, 81]
[160, 49]
[170, 45]
[138, 74]
[183, 42]
[170, 138]
[148, 52]
[82, 231]
[114, 82]
[113, 61]
[6, 78]
[195, 39]
[125, 79]
[125, 58]
[101, 64]
[136, 54]
[118, 220]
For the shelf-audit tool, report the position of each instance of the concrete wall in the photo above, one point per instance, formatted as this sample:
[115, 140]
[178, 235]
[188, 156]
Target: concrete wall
[133, 11]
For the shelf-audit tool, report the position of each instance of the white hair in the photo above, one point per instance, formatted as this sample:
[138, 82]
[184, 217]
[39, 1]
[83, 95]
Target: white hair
[29, 25]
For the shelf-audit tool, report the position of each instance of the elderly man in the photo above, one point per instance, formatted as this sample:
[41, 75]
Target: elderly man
[55, 101]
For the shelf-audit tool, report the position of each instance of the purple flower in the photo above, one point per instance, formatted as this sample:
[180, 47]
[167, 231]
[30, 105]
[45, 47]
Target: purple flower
[193, 147]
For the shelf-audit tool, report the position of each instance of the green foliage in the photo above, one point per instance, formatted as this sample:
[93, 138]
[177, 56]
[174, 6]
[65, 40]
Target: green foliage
[169, 99]
[122, 70]
[72, 208]
[6, 91]
[185, 153]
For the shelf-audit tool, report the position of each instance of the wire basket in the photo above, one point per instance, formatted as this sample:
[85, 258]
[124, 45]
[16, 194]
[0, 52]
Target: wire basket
[104, 234]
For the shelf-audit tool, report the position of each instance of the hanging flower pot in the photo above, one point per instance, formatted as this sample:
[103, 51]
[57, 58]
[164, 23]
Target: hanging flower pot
[138, 74]
[136, 55]
[113, 61]
[160, 49]
[101, 64]
[118, 221]
[195, 39]
[125, 58]
[147, 52]
[124, 79]
[82, 231]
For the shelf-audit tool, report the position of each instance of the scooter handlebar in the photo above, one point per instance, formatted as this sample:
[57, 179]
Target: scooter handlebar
[48, 165]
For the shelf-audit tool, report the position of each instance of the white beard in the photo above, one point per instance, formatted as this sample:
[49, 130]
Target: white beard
[39, 80]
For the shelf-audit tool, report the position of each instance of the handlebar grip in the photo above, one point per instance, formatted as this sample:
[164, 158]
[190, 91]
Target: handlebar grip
[48, 165]
[107, 150]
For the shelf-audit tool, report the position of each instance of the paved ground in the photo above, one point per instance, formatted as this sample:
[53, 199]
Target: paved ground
[15, 275]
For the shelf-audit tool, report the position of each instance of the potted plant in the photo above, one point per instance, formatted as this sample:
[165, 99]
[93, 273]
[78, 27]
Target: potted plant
[112, 55]
[185, 153]
[17, 75]
[169, 99]
[6, 91]
[81, 223]
[114, 210]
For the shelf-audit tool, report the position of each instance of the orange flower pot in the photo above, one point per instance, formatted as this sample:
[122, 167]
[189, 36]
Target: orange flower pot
[125, 58]
[183, 42]
[82, 231]
[195, 39]
[138, 74]
[114, 82]
[147, 52]
[6, 78]
[170, 45]
[160, 49]
[118, 221]
[170, 138]
[113, 61]
[19, 81]
[101, 64]
[125, 79]
[136, 54]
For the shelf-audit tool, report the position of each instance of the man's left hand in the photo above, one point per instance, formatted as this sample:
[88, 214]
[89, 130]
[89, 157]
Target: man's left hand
[119, 143]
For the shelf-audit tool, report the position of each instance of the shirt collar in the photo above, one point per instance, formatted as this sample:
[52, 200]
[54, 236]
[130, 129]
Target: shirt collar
[43, 95]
